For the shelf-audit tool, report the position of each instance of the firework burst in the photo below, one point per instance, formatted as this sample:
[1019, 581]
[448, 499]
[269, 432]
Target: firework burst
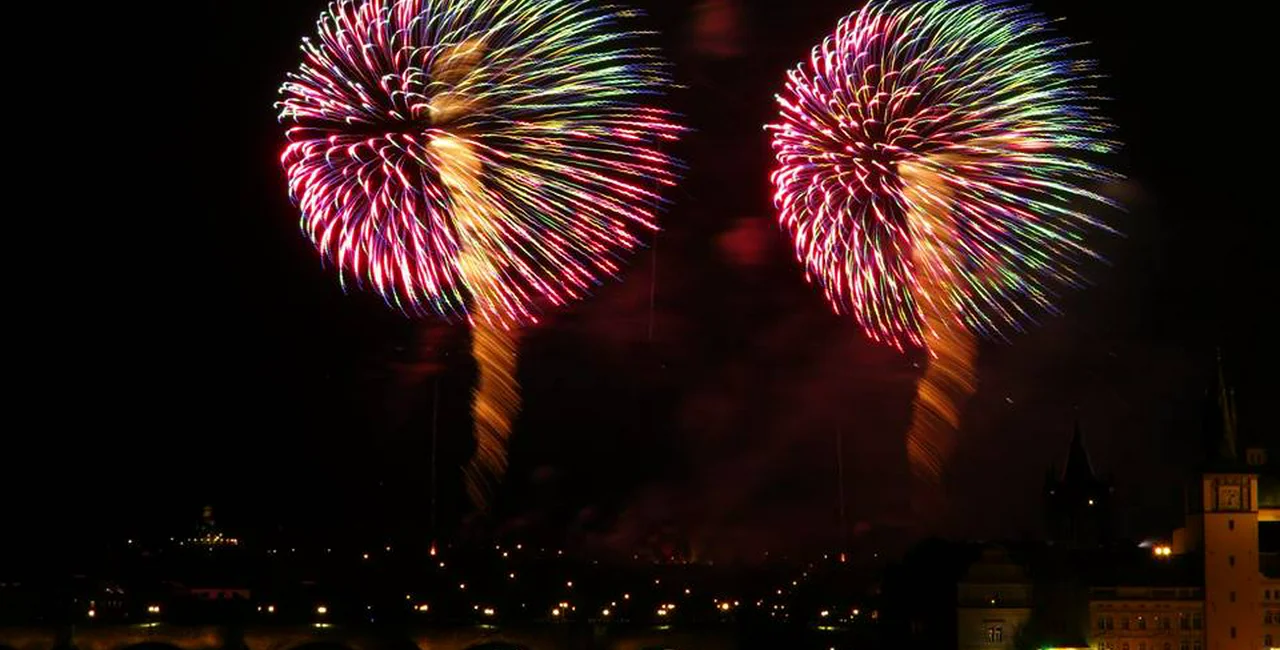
[987, 104]
[477, 158]
[551, 102]
[934, 165]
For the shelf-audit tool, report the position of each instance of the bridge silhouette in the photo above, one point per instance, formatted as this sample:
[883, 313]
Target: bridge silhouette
[160, 636]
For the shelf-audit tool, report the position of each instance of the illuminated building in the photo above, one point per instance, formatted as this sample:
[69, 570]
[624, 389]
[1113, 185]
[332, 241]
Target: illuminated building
[208, 535]
[1220, 579]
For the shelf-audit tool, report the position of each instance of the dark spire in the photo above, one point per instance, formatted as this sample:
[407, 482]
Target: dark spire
[1227, 409]
[1078, 469]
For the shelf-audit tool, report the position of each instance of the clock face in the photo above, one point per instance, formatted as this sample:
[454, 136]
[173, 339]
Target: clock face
[1229, 497]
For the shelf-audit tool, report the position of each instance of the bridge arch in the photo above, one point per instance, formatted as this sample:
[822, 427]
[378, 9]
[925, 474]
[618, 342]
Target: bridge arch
[163, 637]
[150, 645]
[325, 644]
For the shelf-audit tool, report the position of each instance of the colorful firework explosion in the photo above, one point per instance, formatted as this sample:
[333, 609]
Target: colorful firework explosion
[550, 101]
[987, 105]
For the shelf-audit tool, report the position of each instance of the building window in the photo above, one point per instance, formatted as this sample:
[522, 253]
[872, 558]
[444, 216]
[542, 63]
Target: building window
[1102, 621]
[1231, 524]
[1268, 642]
[1196, 622]
[1124, 646]
[1124, 623]
[1266, 618]
[1142, 624]
[1165, 623]
[1232, 596]
[1184, 623]
[1195, 645]
[1233, 631]
[995, 632]
[1111, 622]
[1142, 645]
[1231, 559]
[1168, 646]
[1184, 645]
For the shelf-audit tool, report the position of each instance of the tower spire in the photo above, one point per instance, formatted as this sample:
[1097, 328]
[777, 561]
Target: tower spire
[1078, 466]
[1227, 408]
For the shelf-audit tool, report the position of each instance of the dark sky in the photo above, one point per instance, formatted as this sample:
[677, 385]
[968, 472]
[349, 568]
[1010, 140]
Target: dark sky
[183, 345]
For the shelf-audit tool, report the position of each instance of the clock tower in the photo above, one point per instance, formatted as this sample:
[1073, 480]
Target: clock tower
[1224, 509]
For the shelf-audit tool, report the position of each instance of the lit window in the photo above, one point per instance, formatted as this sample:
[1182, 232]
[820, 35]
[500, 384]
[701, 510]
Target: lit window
[995, 632]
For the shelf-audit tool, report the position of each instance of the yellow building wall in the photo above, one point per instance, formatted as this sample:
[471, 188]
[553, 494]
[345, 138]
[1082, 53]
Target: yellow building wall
[1136, 624]
[1270, 613]
[1232, 578]
[975, 624]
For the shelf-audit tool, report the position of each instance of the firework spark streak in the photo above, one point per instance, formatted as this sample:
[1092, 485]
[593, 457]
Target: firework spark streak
[934, 160]
[478, 160]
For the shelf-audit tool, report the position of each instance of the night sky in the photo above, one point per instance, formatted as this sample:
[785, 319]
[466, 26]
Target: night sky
[182, 343]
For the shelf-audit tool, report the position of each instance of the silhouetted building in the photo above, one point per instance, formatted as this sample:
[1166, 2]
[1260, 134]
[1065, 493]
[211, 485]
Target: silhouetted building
[1078, 504]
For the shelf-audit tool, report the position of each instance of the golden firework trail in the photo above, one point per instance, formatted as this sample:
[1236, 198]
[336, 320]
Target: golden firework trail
[496, 398]
[949, 379]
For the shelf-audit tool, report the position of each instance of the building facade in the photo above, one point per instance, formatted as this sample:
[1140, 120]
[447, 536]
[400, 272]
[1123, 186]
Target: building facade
[993, 603]
[1147, 618]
